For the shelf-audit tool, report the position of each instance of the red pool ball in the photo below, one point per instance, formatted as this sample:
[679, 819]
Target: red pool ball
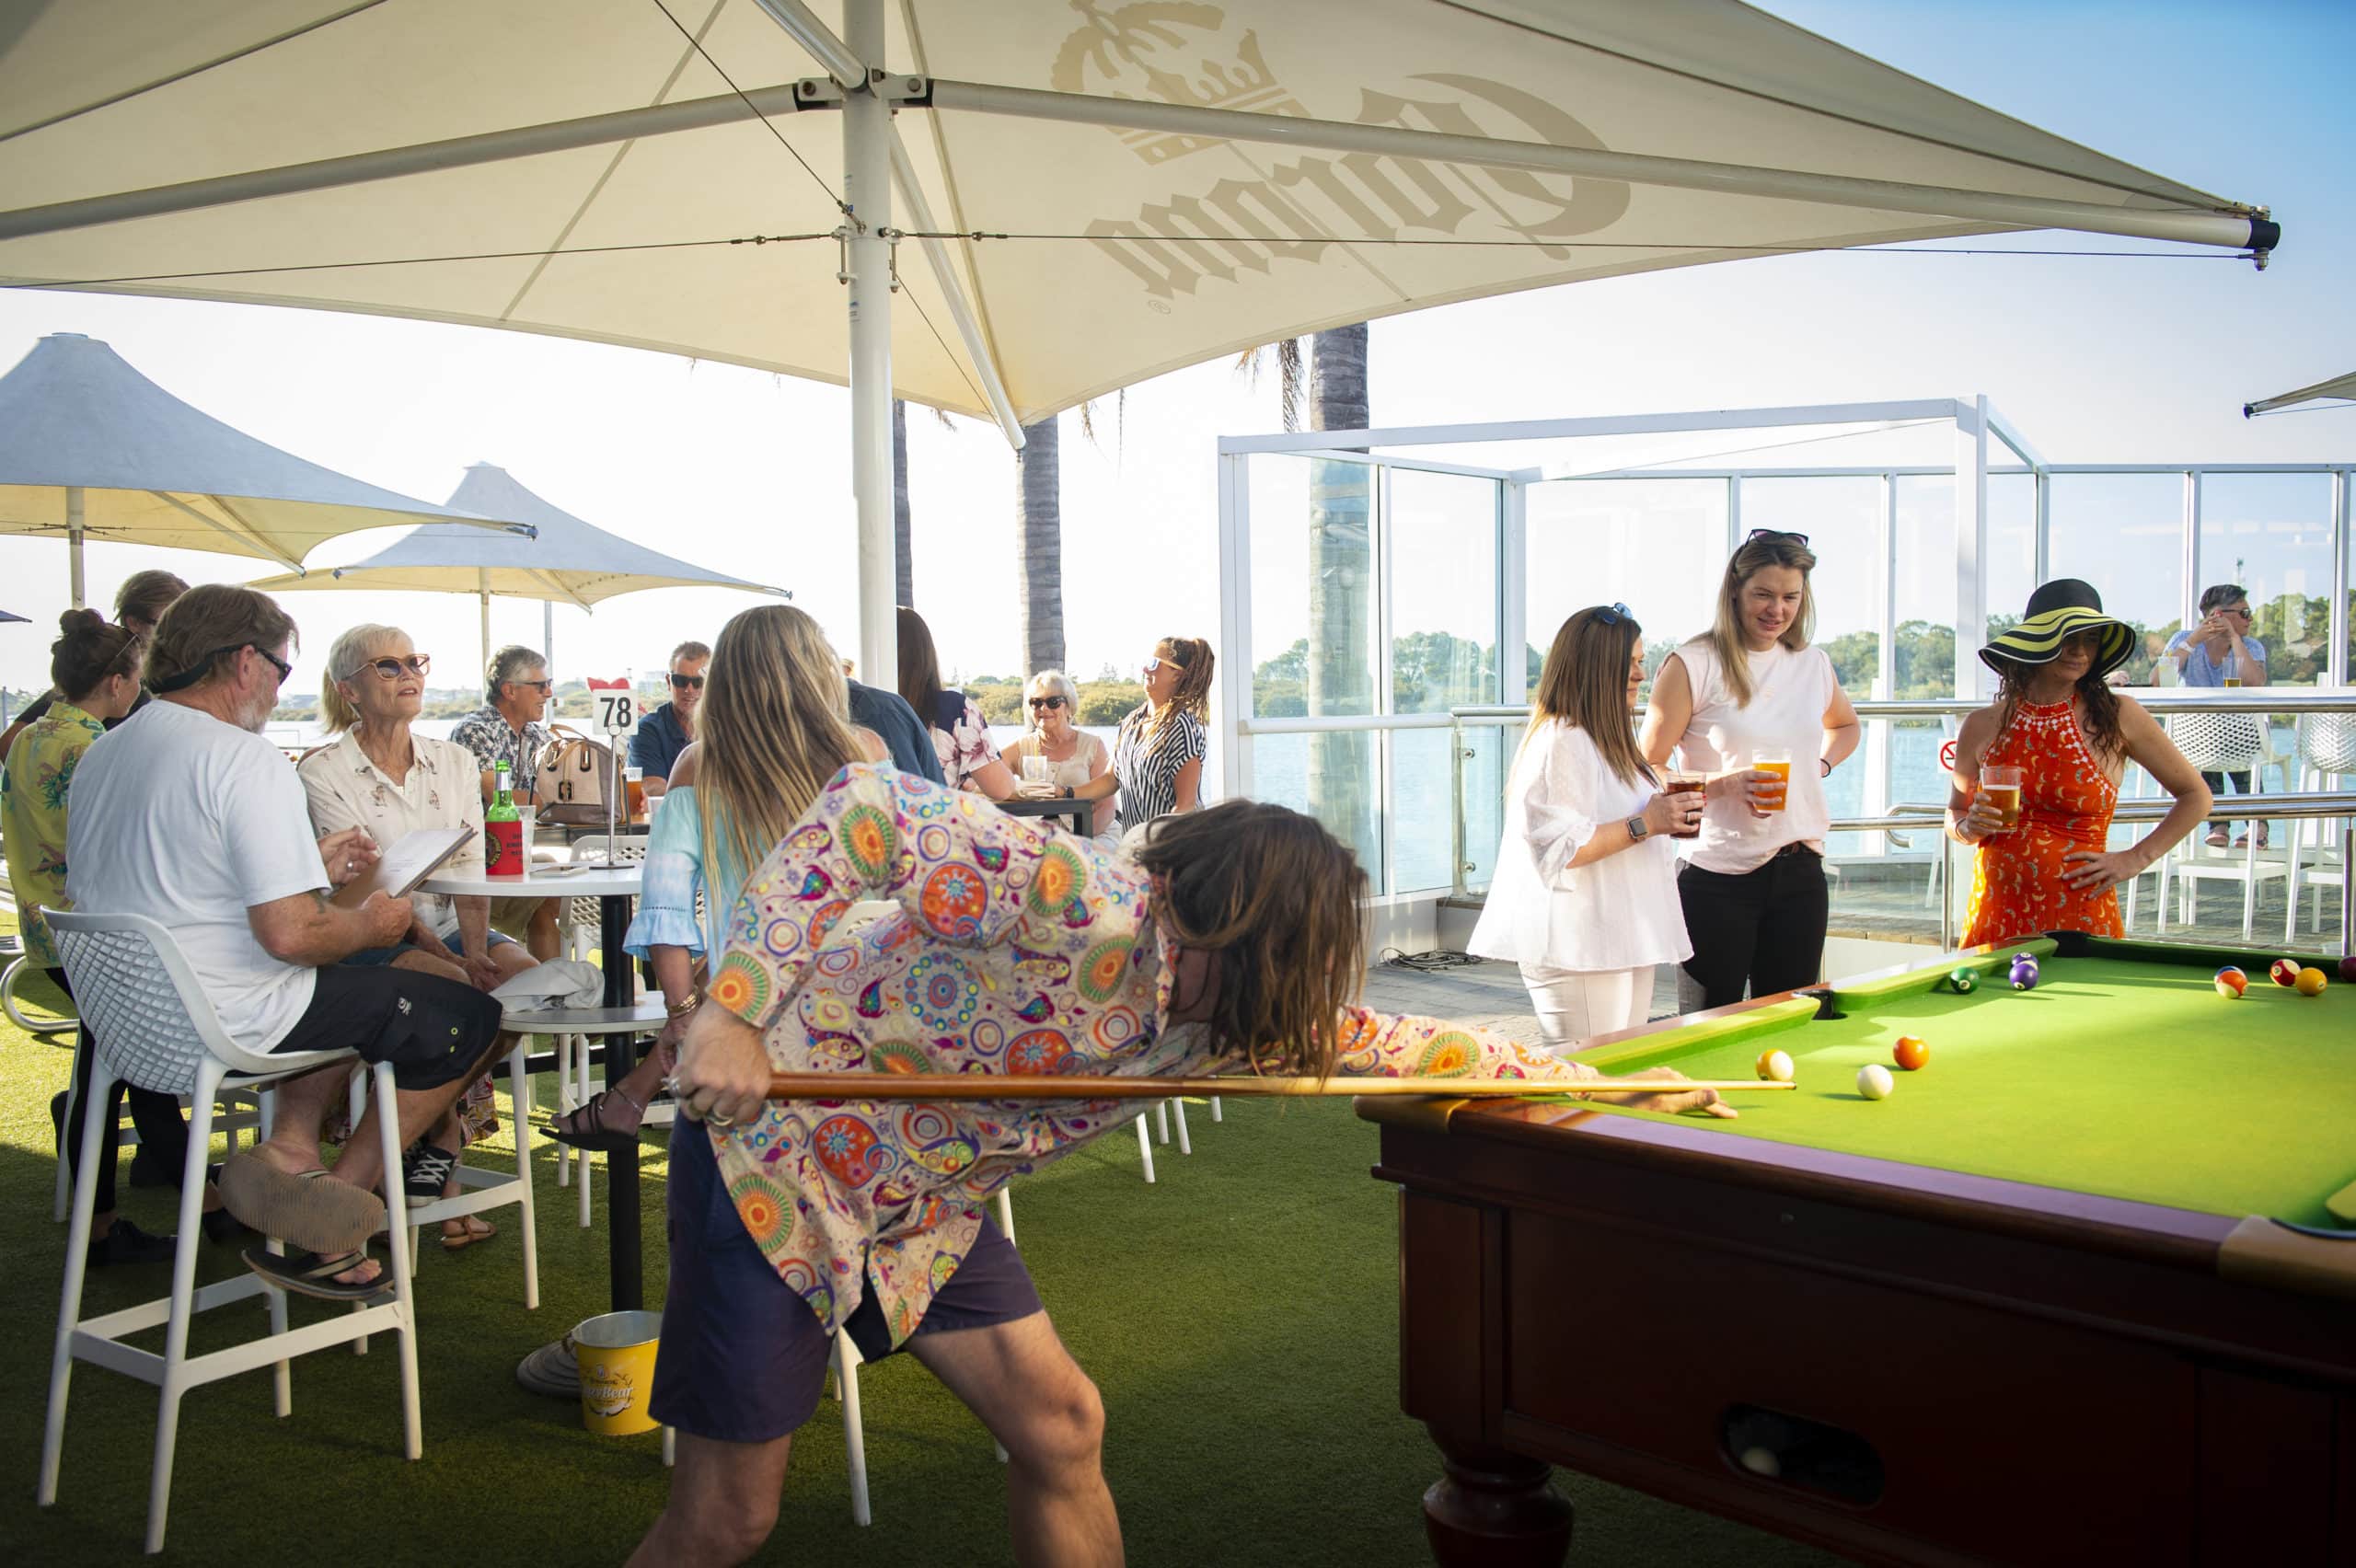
[2285, 972]
[1911, 1054]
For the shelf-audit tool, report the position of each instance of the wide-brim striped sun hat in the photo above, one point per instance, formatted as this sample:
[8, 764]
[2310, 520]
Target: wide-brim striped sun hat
[2062, 606]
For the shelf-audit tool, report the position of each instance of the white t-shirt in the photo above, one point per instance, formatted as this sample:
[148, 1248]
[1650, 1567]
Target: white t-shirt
[1617, 912]
[1790, 689]
[178, 815]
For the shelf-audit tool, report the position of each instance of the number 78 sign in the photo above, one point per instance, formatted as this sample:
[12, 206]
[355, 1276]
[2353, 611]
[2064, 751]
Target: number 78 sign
[614, 705]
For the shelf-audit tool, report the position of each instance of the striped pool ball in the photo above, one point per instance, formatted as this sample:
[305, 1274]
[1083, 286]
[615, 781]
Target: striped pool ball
[2230, 981]
[2285, 972]
[2025, 974]
[2310, 982]
[1965, 980]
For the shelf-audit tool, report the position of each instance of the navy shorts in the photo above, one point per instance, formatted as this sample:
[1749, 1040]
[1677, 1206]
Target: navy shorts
[744, 1359]
[431, 1029]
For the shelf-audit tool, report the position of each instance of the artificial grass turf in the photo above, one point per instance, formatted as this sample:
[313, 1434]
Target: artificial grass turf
[1240, 1317]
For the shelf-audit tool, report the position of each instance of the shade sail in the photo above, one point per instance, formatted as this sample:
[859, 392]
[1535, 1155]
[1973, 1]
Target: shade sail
[91, 448]
[570, 561]
[1158, 244]
[2340, 389]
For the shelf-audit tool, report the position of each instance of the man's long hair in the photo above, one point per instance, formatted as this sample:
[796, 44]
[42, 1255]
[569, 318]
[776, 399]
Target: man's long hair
[1274, 899]
[775, 727]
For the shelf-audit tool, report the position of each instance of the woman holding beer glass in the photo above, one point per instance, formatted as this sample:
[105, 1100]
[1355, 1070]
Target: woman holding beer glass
[1585, 895]
[1760, 713]
[2036, 775]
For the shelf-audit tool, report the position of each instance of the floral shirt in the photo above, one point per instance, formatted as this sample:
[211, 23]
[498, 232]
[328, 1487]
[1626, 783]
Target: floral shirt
[1014, 950]
[488, 735]
[33, 788]
[965, 747]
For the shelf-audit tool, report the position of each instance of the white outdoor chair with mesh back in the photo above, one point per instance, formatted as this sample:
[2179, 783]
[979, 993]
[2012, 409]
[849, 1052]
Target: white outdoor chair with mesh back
[2327, 760]
[575, 1057]
[2219, 743]
[155, 1027]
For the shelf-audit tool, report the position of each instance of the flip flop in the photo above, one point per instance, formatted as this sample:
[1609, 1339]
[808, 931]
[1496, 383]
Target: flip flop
[313, 1274]
[312, 1210]
[468, 1235]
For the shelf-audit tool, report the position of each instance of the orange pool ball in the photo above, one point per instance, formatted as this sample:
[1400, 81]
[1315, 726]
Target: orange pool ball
[2310, 982]
[1911, 1054]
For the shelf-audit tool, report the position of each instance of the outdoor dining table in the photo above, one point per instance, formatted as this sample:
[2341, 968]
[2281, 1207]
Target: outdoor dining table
[1077, 812]
[613, 887]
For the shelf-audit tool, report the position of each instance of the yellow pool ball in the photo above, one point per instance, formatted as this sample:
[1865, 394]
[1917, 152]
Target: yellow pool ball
[2310, 982]
[1774, 1066]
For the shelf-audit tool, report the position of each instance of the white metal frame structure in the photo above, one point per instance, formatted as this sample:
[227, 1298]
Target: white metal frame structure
[1984, 442]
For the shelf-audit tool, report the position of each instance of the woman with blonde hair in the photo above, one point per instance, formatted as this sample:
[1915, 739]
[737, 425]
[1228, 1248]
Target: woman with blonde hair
[1073, 755]
[1585, 895]
[1752, 689]
[379, 776]
[776, 725]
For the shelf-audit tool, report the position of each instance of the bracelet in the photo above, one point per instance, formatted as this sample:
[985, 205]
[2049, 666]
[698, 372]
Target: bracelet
[681, 1010]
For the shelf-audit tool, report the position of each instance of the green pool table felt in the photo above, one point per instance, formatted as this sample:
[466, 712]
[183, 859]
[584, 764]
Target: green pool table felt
[2120, 1077]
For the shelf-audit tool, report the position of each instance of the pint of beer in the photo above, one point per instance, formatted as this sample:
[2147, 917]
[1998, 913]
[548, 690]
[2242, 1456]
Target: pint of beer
[1778, 762]
[1684, 781]
[2001, 786]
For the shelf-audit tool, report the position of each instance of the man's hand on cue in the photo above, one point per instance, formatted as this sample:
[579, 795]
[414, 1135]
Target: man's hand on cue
[723, 1073]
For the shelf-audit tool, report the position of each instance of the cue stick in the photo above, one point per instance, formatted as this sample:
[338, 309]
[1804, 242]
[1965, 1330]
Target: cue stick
[1039, 1086]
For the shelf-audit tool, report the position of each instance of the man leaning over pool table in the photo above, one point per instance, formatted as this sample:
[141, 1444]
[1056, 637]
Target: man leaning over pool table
[1014, 950]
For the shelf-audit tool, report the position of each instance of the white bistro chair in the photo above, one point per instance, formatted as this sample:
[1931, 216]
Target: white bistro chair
[2219, 743]
[155, 1027]
[2326, 758]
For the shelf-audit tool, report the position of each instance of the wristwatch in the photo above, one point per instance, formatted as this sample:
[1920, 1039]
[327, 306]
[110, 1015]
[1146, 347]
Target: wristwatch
[1068, 794]
[1638, 830]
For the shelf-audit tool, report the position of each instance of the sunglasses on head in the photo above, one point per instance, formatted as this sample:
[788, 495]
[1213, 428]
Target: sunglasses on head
[1611, 615]
[392, 668]
[686, 683]
[1758, 534]
[1039, 702]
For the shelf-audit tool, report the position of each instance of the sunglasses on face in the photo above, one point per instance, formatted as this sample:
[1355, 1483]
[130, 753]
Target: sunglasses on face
[1048, 702]
[1157, 661]
[543, 687]
[392, 668]
[1758, 534]
[281, 665]
[686, 683]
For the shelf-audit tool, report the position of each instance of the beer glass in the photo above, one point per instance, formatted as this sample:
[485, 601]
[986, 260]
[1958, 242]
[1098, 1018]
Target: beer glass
[1684, 781]
[1776, 760]
[2001, 786]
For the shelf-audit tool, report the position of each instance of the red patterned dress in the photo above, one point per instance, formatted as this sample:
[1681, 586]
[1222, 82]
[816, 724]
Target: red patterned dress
[2066, 802]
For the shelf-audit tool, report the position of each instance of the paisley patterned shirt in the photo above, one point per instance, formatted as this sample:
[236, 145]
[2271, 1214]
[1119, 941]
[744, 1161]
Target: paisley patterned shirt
[1013, 949]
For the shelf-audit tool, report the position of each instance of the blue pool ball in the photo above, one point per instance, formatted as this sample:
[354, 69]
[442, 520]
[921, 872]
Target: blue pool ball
[2025, 974]
[1965, 980]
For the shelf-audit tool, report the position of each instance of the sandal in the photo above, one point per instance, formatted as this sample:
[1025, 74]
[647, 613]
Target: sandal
[592, 1123]
[470, 1230]
[311, 1209]
[313, 1274]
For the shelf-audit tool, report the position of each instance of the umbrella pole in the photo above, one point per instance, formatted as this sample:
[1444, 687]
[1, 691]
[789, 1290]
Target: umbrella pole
[866, 187]
[548, 631]
[73, 542]
[484, 593]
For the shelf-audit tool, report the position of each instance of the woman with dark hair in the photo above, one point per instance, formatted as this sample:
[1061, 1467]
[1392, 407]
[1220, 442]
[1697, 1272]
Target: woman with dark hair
[1158, 750]
[1752, 689]
[955, 724]
[95, 670]
[2070, 735]
[1585, 894]
[139, 603]
[1232, 941]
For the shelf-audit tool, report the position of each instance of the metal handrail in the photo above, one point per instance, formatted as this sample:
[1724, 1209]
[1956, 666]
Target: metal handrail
[2157, 699]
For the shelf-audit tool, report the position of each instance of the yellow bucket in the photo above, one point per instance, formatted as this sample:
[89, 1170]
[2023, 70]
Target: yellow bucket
[614, 1354]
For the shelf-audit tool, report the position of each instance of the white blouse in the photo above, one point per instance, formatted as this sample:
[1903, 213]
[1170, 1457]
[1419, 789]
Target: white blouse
[1617, 912]
[1790, 689]
[443, 788]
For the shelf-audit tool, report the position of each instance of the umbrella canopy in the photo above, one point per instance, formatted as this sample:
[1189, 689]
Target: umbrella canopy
[1099, 190]
[569, 561]
[90, 448]
[2338, 389]
[8, 616]
[589, 164]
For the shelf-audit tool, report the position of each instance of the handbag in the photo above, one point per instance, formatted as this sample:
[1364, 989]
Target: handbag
[572, 779]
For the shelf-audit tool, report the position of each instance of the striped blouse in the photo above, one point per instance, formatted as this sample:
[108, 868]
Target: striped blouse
[1148, 765]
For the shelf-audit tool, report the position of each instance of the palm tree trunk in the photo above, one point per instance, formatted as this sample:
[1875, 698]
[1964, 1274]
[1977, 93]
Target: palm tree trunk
[1038, 476]
[902, 553]
[1343, 775]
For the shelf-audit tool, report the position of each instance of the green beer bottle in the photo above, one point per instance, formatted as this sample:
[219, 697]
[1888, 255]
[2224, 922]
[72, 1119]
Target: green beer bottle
[503, 829]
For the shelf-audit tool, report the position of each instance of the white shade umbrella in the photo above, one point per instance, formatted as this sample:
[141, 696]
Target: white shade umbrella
[2338, 389]
[568, 563]
[1112, 189]
[91, 449]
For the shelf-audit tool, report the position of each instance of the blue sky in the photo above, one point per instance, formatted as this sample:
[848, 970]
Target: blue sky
[2097, 361]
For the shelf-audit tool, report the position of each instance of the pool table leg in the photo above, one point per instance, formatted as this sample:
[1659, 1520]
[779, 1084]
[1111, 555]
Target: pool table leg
[1494, 1509]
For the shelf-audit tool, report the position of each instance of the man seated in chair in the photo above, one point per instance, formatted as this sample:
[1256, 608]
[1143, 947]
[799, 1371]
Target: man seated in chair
[508, 729]
[186, 815]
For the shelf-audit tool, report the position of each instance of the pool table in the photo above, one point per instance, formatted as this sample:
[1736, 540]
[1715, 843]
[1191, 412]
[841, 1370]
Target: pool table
[2083, 1290]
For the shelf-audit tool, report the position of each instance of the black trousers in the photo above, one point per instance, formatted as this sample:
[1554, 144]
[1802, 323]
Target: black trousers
[1763, 930]
[163, 1132]
[2216, 782]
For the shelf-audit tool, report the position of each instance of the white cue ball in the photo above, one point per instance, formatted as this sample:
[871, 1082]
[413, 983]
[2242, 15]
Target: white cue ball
[1762, 1461]
[1874, 1081]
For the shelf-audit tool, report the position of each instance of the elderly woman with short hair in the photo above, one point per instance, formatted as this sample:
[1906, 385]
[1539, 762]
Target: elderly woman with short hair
[1073, 755]
[380, 775]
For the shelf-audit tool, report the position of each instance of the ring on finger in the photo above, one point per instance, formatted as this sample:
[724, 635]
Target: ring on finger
[719, 1121]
